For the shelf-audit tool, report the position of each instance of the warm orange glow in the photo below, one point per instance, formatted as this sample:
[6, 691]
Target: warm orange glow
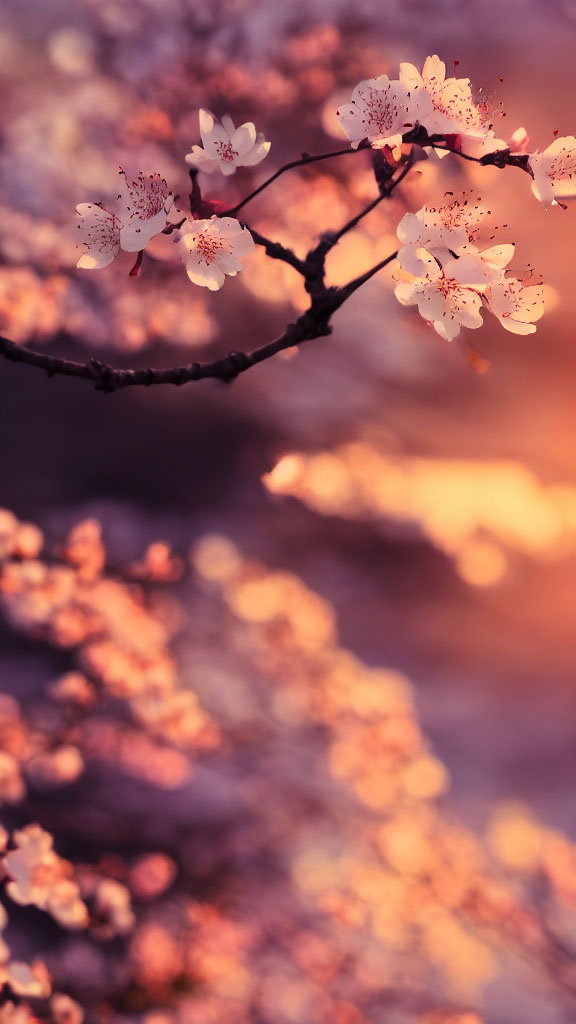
[477, 512]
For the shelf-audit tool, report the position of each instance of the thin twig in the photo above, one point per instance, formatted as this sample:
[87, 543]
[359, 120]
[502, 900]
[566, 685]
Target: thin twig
[303, 161]
[384, 194]
[498, 158]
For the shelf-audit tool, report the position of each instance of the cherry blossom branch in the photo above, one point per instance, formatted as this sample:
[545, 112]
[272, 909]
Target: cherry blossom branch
[313, 323]
[498, 158]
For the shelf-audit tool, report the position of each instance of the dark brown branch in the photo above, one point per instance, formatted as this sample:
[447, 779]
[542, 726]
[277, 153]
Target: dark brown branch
[385, 193]
[278, 252]
[316, 258]
[498, 158]
[418, 136]
[314, 323]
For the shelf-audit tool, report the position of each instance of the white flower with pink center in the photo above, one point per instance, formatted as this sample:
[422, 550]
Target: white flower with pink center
[453, 110]
[143, 206]
[382, 110]
[443, 232]
[450, 297]
[213, 249]
[516, 304]
[225, 147]
[99, 236]
[554, 171]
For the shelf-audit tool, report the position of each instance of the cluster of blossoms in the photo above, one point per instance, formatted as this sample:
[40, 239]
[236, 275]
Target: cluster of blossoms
[39, 876]
[143, 206]
[449, 278]
[121, 647]
[383, 110]
[36, 876]
[121, 653]
[211, 248]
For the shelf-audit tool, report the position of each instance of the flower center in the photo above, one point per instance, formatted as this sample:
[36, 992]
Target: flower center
[103, 234]
[563, 166]
[226, 152]
[380, 111]
[208, 247]
[513, 295]
[457, 103]
[448, 286]
[458, 214]
[147, 196]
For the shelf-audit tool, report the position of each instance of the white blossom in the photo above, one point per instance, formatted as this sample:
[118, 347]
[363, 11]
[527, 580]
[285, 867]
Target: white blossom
[143, 205]
[449, 297]
[383, 110]
[554, 171]
[442, 231]
[99, 235]
[214, 248]
[516, 305]
[226, 147]
[453, 110]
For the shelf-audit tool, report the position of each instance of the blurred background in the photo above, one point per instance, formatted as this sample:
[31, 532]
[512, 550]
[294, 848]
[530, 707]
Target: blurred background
[430, 506]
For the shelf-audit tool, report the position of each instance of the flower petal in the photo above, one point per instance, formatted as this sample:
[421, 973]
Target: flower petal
[207, 121]
[244, 138]
[228, 124]
[199, 158]
[260, 150]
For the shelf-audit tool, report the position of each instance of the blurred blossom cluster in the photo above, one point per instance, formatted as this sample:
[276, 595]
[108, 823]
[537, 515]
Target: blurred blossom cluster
[117, 93]
[479, 513]
[330, 884]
